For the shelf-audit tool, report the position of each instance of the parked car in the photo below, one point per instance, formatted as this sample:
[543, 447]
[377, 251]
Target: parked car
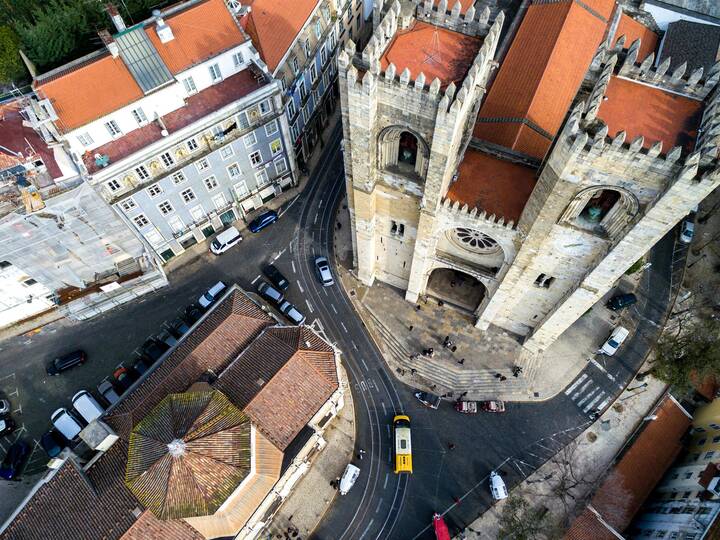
[4, 407]
[492, 405]
[153, 349]
[7, 426]
[687, 231]
[141, 365]
[53, 443]
[212, 294]
[192, 314]
[263, 220]
[65, 362]
[87, 406]
[15, 458]
[276, 278]
[166, 338]
[621, 301]
[268, 292]
[348, 479]
[108, 392]
[429, 400]
[323, 271]
[124, 378]
[466, 407]
[178, 328]
[497, 487]
[612, 344]
[225, 240]
[292, 313]
[66, 424]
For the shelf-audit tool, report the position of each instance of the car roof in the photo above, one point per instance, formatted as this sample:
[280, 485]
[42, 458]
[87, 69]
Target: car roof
[228, 234]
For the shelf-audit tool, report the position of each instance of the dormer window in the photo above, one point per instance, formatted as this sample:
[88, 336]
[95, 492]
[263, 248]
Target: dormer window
[139, 116]
[215, 73]
[238, 59]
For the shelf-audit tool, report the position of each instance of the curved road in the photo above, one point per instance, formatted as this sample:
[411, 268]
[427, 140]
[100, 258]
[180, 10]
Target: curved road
[381, 505]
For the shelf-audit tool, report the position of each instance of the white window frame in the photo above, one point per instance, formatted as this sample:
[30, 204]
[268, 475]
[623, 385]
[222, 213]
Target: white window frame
[265, 104]
[302, 90]
[167, 159]
[184, 195]
[295, 132]
[306, 48]
[215, 73]
[139, 219]
[114, 185]
[295, 65]
[241, 192]
[236, 166]
[192, 144]
[113, 129]
[178, 178]
[216, 198]
[262, 173]
[250, 139]
[199, 164]
[162, 205]
[85, 139]
[198, 216]
[189, 85]
[154, 190]
[139, 116]
[279, 147]
[291, 109]
[142, 173]
[256, 158]
[154, 238]
[211, 183]
[128, 204]
[238, 59]
[173, 221]
[224, 152]
[331, 38]
[284, 164]
[323, 54]
[318, 29]
[313, 73]
[274, 128]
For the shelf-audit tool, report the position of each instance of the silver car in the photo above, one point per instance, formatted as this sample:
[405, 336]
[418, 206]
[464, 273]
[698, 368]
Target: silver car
[323, 271]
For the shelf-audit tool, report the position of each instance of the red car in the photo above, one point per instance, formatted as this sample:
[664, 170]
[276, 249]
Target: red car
[441, 529]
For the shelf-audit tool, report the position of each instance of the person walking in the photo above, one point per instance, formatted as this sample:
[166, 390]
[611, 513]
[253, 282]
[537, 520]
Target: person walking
[503, 378]
[451, 446]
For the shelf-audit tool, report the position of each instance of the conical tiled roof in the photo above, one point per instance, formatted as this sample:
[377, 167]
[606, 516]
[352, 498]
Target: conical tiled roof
[188, 454]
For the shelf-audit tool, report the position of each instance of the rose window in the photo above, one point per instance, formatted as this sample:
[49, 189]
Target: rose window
[475, 241]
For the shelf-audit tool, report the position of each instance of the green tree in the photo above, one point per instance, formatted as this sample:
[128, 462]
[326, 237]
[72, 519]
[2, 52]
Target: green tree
[519, 521]
[11, 65]
[688, 355]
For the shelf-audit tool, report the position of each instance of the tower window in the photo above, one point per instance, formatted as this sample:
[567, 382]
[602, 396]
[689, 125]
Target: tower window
[544, 281]
[397, 228]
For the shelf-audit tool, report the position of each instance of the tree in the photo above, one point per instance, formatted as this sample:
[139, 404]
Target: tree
[688, 354]
[11, 66]
[519, 521]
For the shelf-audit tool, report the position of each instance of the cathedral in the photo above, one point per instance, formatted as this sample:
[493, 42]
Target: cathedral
[517, 167]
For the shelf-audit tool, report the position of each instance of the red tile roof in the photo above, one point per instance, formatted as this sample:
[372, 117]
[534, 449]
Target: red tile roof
[541, 74]
[273, 26]
[102, 84]
[196, 107]
[640, 468]
[632, 30]
[201, 31]
[435, 51]
[639, 109]
[148, 527]
[491, 184]
[588, 526]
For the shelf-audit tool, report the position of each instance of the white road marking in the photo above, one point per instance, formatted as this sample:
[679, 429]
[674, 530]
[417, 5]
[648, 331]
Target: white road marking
[575, 384]
[316, 216]
[593, 402]
[320, 203]
[384, 409]
[18, 410]
[363, 386]
[7, 376]
[387, 475]
[293, 265]
[324, 289]
[597, 365]
[300, 287]
[278, 255]
[254, 280]
[14, 393]
[388, 432]
[582, 389]
[603, 404]
[366, 529]
[343, 326]
[309, 306]
[588, 396]
[364, 364]
[379, 505]
[353, 344]
[333, 308]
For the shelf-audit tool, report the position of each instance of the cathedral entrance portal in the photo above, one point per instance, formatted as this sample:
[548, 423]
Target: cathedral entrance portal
[456, 288]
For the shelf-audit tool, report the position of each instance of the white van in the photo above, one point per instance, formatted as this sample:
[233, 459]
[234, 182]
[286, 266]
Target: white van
[225, 240]
[66, 424]
[613, 343]
[497, 487]
[86, 406]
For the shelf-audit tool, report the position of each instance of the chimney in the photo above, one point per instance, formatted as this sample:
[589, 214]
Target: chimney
[164, 32]
[115, 16]
[109, 42]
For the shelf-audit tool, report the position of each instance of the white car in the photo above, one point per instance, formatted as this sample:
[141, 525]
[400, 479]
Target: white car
[687, 232]
[225, 240]
[348, 478]
[323, 271]
[616, 339]
[207, 299]
[497, 487]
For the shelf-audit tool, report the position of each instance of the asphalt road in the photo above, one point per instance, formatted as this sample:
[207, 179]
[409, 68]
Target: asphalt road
[381, 505]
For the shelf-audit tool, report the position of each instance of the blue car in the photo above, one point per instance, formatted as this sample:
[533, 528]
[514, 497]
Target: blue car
[14, 460]
[263, 220]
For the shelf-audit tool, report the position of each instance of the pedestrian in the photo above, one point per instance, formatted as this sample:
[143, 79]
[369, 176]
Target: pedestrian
[452, 283]
[498, 375]
[441, 303]
[454, 348]
[425, 352]
[417, 308]
[503, 378]
[431, 352]
[413, 371]
[461, 361]
[361, 454]
[451, 446]
[411, 327]
[433, 387]
[463, 394]
[446, 341]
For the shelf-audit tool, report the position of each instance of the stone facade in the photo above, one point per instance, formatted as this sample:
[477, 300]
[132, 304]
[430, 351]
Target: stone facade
[544, 271]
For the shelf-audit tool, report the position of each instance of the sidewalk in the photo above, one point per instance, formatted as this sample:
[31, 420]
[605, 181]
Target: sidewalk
[312, 496]
[403, 330]
[566, 481]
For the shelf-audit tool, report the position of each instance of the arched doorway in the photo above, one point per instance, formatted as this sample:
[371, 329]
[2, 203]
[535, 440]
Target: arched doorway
[407, 151]
[400, 150]
[457, 288]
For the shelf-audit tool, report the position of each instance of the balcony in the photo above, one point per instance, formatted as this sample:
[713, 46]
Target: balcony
[472, 268]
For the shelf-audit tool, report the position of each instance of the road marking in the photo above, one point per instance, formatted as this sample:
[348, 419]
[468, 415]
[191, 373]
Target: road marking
[309, 306]
[575, 384]
[7, 376]
[325, 291]
[254, 280]
[364, 364]
[18, 410]
[384, 409]
[293, 264]
[320, 203]
[603, 404]
[387, 475]
[588, 396]
[366, 529]
[14, 393]
[333, 308]
[379, 505]
[389, 435]
[343, 326]
[593, 402]
[363, 386]
[278, 255]
[599, 366]
[316, 216]
[389, 456]
[582, 389]
[300, 287]
[353, 344]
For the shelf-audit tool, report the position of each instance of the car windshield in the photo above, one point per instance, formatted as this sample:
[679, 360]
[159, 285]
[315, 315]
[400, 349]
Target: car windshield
[612, 343]
[207, 296]
[216, 244]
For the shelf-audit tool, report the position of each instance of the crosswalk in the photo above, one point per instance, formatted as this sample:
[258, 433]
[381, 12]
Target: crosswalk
[588, 395]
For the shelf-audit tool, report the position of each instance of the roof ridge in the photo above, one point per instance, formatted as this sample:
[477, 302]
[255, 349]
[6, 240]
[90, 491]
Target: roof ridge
[314, 367]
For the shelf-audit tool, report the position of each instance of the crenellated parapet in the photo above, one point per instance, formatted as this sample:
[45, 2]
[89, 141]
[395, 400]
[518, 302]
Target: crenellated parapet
[709, 133]
[476, 215]
[695, 84]
[474, 22]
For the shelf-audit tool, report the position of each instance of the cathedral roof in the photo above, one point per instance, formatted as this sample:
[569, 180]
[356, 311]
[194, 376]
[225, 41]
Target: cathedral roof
[632, 30]
[437, 52]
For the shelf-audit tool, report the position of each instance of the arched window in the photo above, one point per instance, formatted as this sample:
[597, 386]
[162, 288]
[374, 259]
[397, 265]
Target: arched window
[408, 149]
[602, 210]
[402, 151]
[599, 205]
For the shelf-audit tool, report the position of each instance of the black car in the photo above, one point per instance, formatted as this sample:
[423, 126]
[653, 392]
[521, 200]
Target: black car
[142, 365]
[193, 313]
[7, 426]
[268, 292]
[621, 301]
[178, 328]
[67, 361]
[276, 277]
[53, 443]
[14, 460]
[154, 349]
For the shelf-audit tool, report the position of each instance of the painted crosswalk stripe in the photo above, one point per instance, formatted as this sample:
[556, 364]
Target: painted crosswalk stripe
[603, 404]
[575, 384]
[582, 389]
[587, 396]
[593, 402]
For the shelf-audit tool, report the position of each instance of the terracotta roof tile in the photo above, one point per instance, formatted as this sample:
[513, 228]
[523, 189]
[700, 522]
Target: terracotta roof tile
[148, 527]
[493, 185]
[538, 88]
[435, 51]
[201, 31]
[587, 526]
[632, 30]
[640, 468]
[639, 109]
[273, 26]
